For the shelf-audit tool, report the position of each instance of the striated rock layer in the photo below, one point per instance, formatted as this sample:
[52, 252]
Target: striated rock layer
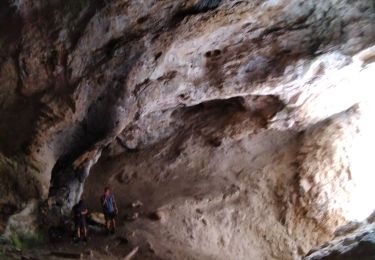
[240, 125]
[354, 240]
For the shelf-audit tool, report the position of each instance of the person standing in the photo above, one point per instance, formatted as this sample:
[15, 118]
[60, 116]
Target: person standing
[79, 212]
[109, 209]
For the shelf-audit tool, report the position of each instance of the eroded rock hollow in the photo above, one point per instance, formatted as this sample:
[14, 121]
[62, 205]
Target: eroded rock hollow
[244, 128]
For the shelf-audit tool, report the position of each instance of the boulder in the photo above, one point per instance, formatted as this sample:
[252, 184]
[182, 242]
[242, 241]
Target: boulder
[97, 218]
[24, 224]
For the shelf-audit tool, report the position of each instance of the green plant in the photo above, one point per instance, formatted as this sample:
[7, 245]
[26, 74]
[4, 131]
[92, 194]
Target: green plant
[16, 241]
[25, 242]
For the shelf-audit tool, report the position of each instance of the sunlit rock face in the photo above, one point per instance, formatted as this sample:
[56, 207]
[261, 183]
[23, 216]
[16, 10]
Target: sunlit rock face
[246, 125]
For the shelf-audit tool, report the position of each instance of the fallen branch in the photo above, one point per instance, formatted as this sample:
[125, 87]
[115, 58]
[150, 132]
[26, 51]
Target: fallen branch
[131, 254]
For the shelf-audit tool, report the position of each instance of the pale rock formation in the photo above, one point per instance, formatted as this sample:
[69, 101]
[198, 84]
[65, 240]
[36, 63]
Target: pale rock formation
[242, 124]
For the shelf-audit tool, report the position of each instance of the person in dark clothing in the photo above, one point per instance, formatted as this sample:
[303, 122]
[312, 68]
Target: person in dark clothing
[79, 214]
[110, 210]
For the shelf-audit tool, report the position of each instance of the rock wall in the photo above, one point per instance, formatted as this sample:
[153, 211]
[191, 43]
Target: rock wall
[226, 116]
[354, 240]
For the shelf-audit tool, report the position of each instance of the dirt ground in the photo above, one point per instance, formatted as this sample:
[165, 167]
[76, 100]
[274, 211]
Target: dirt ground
[100, 245]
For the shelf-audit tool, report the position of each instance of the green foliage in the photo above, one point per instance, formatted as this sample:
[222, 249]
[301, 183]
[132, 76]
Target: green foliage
[25, 242]
[16, 241]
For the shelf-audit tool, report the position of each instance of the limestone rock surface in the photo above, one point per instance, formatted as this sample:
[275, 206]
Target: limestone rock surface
[236, 121]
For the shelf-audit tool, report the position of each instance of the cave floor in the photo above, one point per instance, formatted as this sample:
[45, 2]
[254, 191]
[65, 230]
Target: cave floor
[99, 246]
